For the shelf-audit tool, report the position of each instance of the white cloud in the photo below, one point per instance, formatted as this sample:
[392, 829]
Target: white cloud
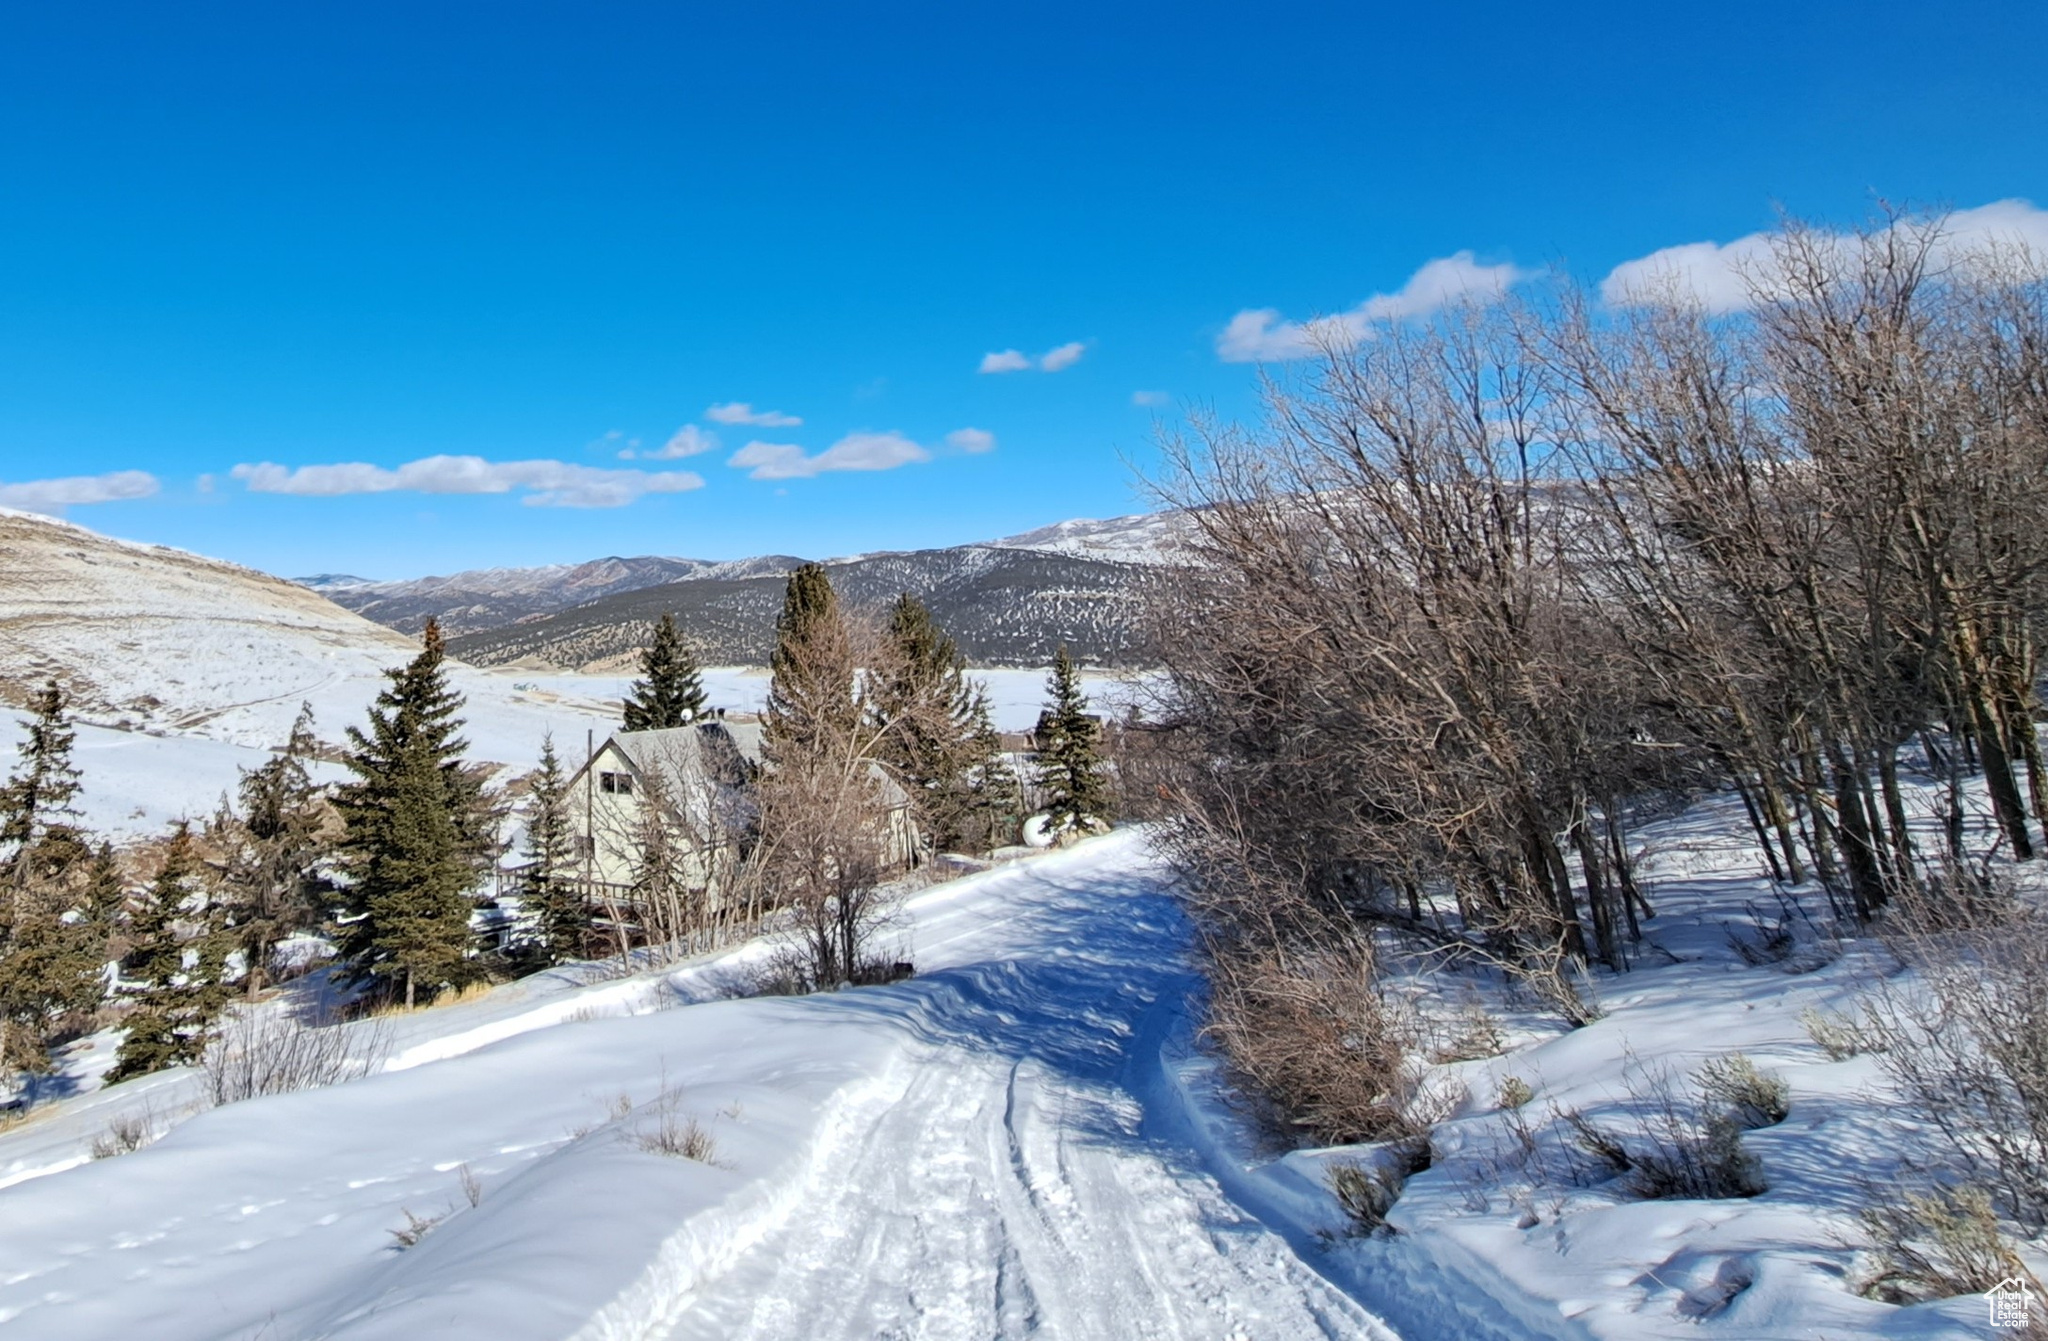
[740, 412]
[971, 440]
[1262, 335]
[53, 496]
[1063, 357]
[855, 451]
[557, 484]
[1009, 360]
[1726, 277]
[689, 440]
[1057, 359]
[1149, 399]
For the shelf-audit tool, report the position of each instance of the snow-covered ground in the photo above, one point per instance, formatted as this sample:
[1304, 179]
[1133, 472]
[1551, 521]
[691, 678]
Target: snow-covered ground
[981, 1151]
[1024, 1139]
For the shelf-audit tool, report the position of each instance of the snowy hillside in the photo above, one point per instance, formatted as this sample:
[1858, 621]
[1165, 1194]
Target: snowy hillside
[183, 668]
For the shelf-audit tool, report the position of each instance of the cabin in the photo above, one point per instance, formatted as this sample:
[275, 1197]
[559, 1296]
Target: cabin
[696, 782]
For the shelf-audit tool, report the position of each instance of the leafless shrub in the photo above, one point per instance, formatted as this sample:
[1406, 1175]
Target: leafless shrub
[680, 1136]
[415, 1228]
[1514, 1092]
[1687, 1144]
[1315, 1034]
[1965, 1043]
[1940, 1243]
[472, 1188]
[1470, 1034]
[125, 1134]
[252, 1055]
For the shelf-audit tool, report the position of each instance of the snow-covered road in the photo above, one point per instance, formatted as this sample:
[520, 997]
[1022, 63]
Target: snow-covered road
[978, 1152]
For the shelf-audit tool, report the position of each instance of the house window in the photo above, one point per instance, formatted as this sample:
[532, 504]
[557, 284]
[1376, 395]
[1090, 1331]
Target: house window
[617, 784]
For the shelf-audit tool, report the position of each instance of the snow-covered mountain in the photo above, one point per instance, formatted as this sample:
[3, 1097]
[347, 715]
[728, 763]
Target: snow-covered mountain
[1059, 583]
[182, 668]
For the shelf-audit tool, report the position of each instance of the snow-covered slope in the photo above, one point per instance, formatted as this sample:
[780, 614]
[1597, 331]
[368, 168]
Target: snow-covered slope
[1150, 537]
[155, 646]
[970, 1154]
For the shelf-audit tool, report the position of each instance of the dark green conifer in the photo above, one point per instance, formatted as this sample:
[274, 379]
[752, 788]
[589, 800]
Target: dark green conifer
[929, 709]
[1069, 755]
[179, 958]
[272, 848]
[419, 833]
[51, 951]
[811, 684]
[548, 886]
[670, 691]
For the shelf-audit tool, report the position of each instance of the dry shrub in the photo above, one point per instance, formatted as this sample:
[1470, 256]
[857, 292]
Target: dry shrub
[1366, 1195]
[414, 1229]
[1690, 1141]
[1753, 1098]
[1470, 1034]
[1941, 1243]
[124, 1135]
[1967, 1045]
[680, 1136]
[1315, 1035]
[1514, 1092]
[249, 1056]
[1839, 1035]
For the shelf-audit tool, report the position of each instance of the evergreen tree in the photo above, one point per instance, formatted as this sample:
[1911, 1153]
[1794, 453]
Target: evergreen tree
[38, 829]
[179, 956]
[811, 682]
[272, 849]
[930, 709]
[419, 832]
[996, 806]
[51, 950]
[547, 887]
[1069, 754]
[670, 691]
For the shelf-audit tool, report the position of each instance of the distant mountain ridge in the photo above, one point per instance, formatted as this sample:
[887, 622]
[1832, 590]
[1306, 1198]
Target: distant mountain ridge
[1007, 602]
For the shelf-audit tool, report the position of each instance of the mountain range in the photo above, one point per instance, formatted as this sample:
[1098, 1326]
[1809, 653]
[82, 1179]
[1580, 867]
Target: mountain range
[1006, 602]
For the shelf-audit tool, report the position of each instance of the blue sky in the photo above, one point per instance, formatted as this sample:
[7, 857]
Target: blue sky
[240, 241]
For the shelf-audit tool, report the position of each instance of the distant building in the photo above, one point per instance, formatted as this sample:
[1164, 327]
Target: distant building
[695, 782]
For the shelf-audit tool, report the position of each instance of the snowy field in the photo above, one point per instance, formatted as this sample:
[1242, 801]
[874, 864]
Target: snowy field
[1022, 1140]
[990, 1149]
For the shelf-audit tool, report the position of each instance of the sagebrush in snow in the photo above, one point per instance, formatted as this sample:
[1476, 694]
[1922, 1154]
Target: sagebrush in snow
[1755, 1099]
[1688, 1141]
[124, 1135]
[1939, 1243]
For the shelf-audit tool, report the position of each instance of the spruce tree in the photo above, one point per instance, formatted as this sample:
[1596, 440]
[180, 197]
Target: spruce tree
[273, 847]
[1069, 755]
[811, 681]
[418, 832]
[930, 709]
[996, 804]
[51, 949]
[547, 887]
[670, 691]
[179, 958]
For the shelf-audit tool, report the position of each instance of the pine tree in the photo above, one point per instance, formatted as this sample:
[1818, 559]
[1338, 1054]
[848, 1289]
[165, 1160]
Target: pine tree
[51, 951]
[811, 682]
[272, 849]
[930, 709]
[1069, 754]
[997, 797]
[670, 691]
[546, 887]
[419, 832]
[179, 957]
